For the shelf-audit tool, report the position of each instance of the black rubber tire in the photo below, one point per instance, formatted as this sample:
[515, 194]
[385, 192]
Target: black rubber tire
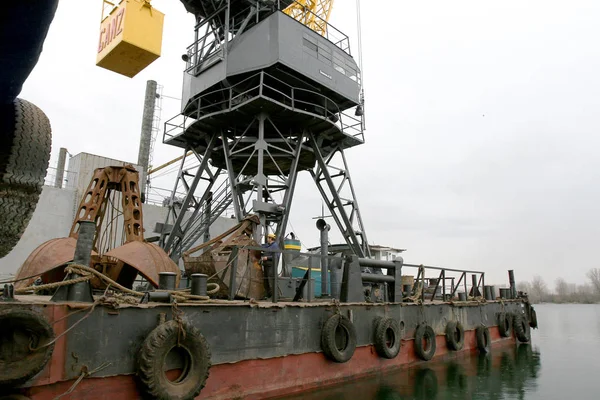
[533, 319]
[24, 156]
[425, 333]
[20, 329]
[338, 338]
[152, 357]
[504, 324]
[484, 341]
[455, 335]
[387, 338]
[521, 328]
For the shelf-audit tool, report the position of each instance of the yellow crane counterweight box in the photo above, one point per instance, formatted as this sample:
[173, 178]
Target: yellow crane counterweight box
[130, 38]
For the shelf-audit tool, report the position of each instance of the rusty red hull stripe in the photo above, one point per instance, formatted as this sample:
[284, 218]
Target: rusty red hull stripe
[257, 379]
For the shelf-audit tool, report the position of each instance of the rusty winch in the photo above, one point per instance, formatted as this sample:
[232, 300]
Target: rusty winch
[112, 202]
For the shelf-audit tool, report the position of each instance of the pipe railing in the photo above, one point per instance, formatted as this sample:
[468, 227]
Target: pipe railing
[269, 87]
[358, 271]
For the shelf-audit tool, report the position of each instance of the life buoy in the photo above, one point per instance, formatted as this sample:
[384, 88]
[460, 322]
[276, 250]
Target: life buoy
[387, 338]
[425, 342]
[455, 335]
[338, 338]
[26, 343]
[533, 319]
[484, 341]
[504, 324]
[194, 350]
[521, 328]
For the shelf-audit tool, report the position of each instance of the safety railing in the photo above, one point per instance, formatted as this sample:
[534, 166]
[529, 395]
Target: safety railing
[208, 47]
[429, 283]
[271, 88]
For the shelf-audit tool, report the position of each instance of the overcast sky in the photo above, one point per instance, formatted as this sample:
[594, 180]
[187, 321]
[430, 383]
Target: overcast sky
[482, 125]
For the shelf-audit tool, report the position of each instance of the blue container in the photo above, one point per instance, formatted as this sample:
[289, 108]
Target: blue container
[315, 274]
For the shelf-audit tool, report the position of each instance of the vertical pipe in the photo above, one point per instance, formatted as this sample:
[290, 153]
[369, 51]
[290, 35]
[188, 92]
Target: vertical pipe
[474, 288]
[146, 135]
[207, 215]
[323, 227]
[60, 168]
[513, 288]
[259, 179]
[81, 291]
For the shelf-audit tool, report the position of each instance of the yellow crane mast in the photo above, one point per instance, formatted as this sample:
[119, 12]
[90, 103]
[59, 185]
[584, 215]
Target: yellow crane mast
[312, 13]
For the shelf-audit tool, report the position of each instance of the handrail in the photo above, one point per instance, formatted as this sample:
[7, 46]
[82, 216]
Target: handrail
[263, 84]
[447, 293]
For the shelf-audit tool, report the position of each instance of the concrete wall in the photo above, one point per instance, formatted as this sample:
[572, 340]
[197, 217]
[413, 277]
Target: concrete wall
[53, 218]
[56, 210]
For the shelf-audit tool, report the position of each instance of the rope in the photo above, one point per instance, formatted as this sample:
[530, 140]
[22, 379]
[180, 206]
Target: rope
[54, 285]
[84, 374]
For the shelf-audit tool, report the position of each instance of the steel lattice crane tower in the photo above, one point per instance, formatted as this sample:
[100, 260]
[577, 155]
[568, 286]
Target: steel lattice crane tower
[270, 89]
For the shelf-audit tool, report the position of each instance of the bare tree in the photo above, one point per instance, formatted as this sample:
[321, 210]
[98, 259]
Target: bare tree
[594, 277]
[538, 289]
[523, 287]
[562, 289]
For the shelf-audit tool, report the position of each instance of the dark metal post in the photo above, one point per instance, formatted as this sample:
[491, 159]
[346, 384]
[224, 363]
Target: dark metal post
[207, 214]
[167, 280]
[474, 285]
[324, 228]
[60, 168]
[81, 291]
[146, 135]
[199, 284]
[396, 288]
[310, 294]
[511, 279]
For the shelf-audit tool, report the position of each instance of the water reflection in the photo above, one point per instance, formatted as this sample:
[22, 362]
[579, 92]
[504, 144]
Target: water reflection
[507, 373]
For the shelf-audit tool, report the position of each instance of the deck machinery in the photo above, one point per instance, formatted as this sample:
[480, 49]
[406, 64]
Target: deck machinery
[264, 98]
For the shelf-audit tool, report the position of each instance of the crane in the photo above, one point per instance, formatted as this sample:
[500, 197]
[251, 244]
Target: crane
[312, 13]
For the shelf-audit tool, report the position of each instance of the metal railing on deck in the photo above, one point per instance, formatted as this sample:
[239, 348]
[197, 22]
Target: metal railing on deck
[358, 271]
[269, 87]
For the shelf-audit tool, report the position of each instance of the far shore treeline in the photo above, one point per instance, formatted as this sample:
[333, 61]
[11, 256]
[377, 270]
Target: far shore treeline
[563, 291]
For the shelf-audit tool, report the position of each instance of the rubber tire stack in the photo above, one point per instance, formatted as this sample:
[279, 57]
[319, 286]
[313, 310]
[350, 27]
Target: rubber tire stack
[24, 156]
[153, 354]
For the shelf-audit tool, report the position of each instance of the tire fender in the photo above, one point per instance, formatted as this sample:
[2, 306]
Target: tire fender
[455, 335]
[387, 338]
[484, 341]
[152, 358]
[533, 319]
[425, 344]
[521, 328]
[338, 338]
[20, 330]
[504, 324]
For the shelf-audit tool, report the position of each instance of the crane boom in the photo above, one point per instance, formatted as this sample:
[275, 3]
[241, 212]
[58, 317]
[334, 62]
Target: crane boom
[312, 13]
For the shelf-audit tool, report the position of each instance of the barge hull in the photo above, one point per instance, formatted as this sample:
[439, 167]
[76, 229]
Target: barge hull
[258, 350]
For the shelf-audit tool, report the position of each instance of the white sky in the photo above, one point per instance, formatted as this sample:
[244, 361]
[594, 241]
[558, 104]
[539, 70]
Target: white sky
[482, 125]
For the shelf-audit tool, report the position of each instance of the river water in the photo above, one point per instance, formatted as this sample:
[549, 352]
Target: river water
[562, 362]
